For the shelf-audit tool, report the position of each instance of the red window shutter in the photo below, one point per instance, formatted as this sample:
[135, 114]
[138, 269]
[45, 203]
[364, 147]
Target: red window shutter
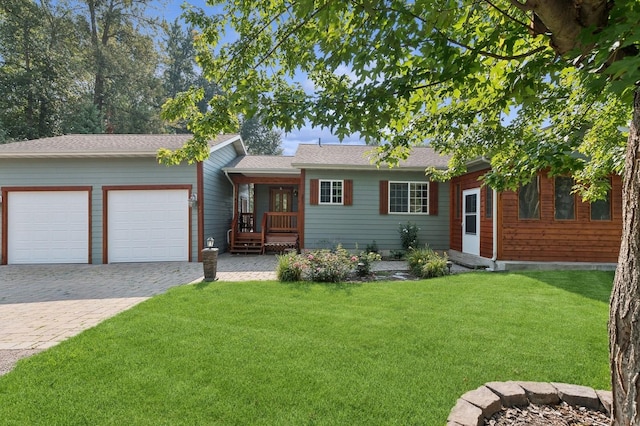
[348, 193]
[384, 197]
[433, 198]
[314, 192]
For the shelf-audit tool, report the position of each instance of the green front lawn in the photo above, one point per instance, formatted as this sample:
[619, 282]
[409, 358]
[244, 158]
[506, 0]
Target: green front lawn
[291, 354]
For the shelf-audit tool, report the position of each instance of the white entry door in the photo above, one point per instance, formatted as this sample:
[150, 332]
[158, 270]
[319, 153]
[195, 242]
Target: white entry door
[148, 225]
[471, 221]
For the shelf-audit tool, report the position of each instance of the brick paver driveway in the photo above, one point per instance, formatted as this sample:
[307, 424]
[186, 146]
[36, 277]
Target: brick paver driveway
[41, 305]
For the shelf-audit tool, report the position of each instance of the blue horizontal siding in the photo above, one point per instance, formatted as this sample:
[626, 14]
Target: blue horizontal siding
[218, 196]
[361, 224]
[98, 173]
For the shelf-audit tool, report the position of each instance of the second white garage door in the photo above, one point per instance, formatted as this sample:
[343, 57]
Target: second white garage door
[148, 225]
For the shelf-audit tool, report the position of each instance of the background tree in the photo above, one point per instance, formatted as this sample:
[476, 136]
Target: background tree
[180, 75]
[259, 139]
[134, 96]
[3, 134]
[525, 83]
[59, 58]
[83, 117]
[123, 62]
[38, 48]
[179, 63]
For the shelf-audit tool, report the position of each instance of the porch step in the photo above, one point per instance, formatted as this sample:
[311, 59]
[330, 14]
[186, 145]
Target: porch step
[247, 243]
[246, 249]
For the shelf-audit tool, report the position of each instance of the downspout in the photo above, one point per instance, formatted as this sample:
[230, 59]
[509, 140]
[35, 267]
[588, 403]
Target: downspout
[233, 209]
[494, 217]
[495, 228]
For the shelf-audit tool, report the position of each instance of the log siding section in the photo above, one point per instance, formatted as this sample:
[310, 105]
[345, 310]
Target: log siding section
[549, 239]
[545, 239]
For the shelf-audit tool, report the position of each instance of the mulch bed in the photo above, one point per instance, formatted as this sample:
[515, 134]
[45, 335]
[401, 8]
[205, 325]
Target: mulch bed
[548, 415]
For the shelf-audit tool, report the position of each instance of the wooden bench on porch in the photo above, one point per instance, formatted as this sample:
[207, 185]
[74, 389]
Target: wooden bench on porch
[279, 243]
[280, 232]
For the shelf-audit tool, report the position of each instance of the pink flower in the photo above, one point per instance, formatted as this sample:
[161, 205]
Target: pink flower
[310, 257]
[354, 258]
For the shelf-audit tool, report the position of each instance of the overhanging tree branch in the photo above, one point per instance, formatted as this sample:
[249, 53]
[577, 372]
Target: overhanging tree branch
[517, 21]
[470, 48]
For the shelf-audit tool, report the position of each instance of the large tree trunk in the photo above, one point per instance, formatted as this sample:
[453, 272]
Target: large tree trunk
[624, 317]
[98, 45]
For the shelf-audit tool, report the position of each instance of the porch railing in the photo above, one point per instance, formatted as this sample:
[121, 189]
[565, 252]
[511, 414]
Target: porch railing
[245, 223]
[280, 222]
[279, 231]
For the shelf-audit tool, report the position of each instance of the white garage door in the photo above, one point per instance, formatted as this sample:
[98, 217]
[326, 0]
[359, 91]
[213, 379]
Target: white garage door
[148, 225]
[48, 227]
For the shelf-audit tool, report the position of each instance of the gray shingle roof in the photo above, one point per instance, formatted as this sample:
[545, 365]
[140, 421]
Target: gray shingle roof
[337, 156]
[262, 163]
[103, 145]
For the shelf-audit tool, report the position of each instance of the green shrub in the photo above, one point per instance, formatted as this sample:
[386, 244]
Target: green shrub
[408, 235]
[426, 263]
[290, 267]
[364, 262]
[397, 254]
[329, 266]
[324, 265]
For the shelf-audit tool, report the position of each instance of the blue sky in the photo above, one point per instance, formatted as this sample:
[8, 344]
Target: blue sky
[171, 10]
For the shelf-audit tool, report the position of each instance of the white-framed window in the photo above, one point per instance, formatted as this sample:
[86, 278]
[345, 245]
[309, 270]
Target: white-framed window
[331, 191]
[409, 197]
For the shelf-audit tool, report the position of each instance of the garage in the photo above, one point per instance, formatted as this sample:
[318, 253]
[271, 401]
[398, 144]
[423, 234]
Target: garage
[48, 226]
[147, 225]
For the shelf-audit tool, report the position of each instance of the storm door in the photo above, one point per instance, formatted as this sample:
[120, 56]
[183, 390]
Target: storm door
[471, 221]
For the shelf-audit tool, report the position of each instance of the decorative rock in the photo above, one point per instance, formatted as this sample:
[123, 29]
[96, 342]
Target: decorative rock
[484, 399]
[465, 414]
[577, 395]
[511, 394]
[540, 393]
[606, 399]
[484, 402]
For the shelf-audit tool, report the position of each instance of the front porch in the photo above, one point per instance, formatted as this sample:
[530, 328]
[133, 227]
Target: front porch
[268, 209]
[278, 232]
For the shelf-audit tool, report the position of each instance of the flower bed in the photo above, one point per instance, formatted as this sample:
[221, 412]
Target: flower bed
[324, 265]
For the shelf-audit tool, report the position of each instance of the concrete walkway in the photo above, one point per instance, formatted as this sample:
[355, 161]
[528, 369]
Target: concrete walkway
[42, 305]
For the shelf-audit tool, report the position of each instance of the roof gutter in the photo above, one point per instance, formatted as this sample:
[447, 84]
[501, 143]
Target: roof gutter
[261, 171]
[478, 160]
[316, 166]
[80, 155]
